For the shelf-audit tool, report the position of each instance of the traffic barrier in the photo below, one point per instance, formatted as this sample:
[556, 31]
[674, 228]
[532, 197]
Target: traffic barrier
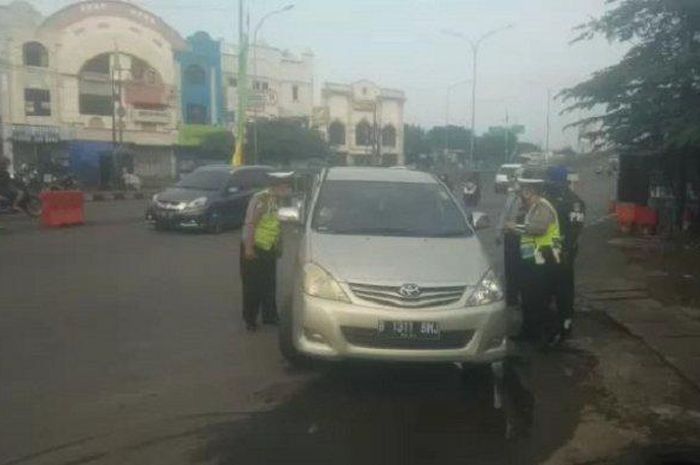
[62, 208]
[625, 216]
[646, 219]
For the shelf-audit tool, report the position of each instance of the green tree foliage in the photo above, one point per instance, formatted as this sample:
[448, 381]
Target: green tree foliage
[450, 137]
[415, 143]
[284, 141]
[650, 100]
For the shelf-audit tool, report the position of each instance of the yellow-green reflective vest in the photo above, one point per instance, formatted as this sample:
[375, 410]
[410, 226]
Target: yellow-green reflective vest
[531, 246]
[268, 229]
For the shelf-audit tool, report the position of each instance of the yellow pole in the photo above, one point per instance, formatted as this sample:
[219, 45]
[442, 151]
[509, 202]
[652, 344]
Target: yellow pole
[238, 158]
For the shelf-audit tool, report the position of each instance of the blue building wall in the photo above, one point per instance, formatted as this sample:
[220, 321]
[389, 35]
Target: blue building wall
[85, 160]
[206, 53]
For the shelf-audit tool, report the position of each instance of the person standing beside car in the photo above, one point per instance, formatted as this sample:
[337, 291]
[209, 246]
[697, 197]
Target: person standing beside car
[540, 252]
[261, 245]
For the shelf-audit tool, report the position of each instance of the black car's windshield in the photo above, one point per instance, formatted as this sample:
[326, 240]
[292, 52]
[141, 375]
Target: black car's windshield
[208, 180]
[388, 209]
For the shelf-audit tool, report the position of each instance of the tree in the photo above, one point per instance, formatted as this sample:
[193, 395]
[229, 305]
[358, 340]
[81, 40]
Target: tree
[283, 141]
[650, 101]
[448, 137]
[415, 143]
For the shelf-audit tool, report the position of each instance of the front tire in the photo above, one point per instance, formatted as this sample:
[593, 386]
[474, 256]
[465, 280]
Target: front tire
[214, 225]
[286, 341]
[32, 206]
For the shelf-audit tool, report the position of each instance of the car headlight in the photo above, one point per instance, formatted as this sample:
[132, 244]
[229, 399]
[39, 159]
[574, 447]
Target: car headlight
[197, 203]
[318, 282]
[487, 291]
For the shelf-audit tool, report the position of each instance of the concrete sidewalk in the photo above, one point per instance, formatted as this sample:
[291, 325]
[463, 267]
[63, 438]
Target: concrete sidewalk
[610, 281]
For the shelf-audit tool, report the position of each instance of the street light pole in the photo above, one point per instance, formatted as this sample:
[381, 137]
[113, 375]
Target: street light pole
[548, 122]
[450, 88]
[474, 44]
[255, 72]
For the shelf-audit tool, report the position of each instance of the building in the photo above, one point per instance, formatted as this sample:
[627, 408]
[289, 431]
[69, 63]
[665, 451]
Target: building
[282, 83]
[93, 77]
[363, 123]
[200, 81]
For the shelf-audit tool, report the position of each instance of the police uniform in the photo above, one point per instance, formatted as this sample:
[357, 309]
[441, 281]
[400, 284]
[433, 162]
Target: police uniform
[259, 274]
[571, 211]
[540, 251]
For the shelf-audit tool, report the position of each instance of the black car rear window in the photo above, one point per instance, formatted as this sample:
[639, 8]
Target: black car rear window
[205, 180]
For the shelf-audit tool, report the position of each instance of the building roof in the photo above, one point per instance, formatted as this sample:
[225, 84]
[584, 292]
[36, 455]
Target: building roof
[347, 89]
[354, 173]
[80, 10]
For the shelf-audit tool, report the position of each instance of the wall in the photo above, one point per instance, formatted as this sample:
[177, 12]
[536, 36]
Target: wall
[206, 53]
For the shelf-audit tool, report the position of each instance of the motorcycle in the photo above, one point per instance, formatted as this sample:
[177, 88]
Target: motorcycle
[30, 203]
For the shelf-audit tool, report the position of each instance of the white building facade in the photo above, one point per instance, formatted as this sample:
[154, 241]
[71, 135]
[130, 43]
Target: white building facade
[91, 74]
[282, 83]
[363, 123]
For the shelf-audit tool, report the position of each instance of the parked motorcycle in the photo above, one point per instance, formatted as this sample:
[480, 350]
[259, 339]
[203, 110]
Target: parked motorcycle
[30, 203]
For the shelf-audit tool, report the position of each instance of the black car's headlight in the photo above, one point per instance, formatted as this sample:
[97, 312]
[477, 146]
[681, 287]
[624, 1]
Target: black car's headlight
[196, 203]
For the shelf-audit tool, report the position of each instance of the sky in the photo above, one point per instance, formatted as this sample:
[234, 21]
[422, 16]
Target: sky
[402, 44]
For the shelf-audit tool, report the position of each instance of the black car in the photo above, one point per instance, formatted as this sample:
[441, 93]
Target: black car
[212, 198]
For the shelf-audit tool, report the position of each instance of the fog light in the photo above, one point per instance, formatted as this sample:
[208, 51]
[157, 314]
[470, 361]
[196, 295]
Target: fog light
[314, 336]
[495, 342]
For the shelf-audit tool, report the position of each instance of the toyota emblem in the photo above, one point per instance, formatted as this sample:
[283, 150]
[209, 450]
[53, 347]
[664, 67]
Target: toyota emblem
[410, 291]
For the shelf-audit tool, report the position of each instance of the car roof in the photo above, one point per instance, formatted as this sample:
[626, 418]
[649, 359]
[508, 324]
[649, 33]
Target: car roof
[378, 175]
[227, 167]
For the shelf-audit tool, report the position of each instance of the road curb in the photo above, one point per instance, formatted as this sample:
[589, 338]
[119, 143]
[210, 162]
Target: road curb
[627, 328]
[117, 195]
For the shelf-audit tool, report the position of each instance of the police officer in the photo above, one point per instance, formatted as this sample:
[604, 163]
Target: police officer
[511, 242]
[571, 211]
[261, 246]
[540, 252]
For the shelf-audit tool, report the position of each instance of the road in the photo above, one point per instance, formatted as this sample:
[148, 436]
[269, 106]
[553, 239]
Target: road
[120, 344]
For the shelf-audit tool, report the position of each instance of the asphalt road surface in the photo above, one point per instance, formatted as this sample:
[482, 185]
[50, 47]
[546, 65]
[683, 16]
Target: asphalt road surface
[120, 344]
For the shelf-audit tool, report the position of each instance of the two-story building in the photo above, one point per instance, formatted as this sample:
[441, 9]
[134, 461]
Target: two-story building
[362, 122]
[282, 83]
[92, 77]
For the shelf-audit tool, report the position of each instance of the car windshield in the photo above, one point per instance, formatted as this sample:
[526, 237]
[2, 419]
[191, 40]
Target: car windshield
[388, 209]
[208, 180]
[508, 170]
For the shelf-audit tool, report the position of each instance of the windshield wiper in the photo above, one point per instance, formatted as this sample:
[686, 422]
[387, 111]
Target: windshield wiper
[377, 231]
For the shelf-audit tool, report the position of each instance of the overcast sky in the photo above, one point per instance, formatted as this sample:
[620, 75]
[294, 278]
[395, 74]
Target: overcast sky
[400, 44]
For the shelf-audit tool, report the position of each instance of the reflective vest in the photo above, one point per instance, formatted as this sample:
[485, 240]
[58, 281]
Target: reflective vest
[268, 229]
[531, 247]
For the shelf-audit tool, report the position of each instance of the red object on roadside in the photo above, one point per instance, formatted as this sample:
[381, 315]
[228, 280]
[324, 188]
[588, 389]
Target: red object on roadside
[645, 216]
[625, 215]
[62, 208]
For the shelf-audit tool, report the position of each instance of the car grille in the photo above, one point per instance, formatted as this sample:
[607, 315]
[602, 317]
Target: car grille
[367, 337]
[389, 295]
[168, 204]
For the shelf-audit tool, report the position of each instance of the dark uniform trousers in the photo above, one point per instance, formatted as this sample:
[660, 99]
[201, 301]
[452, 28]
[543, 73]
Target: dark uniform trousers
[539, 284]
[259, 279]
[511, 267]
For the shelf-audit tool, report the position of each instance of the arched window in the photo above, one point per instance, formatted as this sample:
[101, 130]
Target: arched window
[336, 133]
[35, 54]
[389, 136]
[363, 133]
[195, 75]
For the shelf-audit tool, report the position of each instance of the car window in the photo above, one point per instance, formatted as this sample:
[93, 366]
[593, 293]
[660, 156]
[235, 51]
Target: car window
[388, 209]
[204, 180]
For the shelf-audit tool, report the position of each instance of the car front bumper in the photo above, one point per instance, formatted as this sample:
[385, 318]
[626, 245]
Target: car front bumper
[177, 218]
[337, 330]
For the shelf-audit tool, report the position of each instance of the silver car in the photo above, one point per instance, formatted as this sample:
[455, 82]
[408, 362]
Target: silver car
[389, 268]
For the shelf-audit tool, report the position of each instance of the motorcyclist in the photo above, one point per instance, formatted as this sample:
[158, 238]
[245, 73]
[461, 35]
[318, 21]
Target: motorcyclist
[8, 190]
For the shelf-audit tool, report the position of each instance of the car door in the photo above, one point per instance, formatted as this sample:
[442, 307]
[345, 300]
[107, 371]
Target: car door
[242, 187]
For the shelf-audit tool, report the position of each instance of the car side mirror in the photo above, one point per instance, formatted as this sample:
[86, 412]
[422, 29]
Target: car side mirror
[480, 220]
[289, 215]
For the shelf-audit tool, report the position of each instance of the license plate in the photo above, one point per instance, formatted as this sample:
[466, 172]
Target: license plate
[409, 329]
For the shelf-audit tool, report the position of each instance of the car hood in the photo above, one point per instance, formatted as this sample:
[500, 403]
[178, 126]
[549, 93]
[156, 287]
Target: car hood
[400, 260]
[178, 194]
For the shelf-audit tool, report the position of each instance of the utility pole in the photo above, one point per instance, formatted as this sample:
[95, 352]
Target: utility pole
[475, 44]
[242, 107]
[548, 122]
[507, 133]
